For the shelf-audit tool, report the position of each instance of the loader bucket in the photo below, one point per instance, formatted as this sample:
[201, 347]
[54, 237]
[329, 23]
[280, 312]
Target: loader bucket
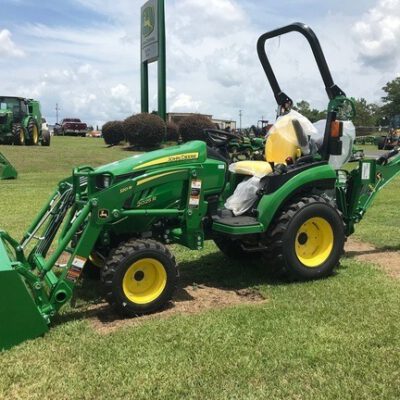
[7, 171]
[20, 318]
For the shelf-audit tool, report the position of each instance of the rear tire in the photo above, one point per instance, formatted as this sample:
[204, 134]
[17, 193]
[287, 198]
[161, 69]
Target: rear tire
[308, 238]
[33, 133]
[139, 277]
[18, 135]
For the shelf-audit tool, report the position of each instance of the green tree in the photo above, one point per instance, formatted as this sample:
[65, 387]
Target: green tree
[303, 107]
[391, 101]
[366, 114]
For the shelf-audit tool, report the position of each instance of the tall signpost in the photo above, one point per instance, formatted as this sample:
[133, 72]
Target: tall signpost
[152, 50]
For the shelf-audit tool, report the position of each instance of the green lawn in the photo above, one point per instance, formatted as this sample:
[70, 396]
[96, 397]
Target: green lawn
[331, 339]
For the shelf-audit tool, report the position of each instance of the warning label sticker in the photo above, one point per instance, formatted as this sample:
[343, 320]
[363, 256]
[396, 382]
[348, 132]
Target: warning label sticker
[194, 200]
[366, 171]
[75, 271]
[79, 262]
[196, 184]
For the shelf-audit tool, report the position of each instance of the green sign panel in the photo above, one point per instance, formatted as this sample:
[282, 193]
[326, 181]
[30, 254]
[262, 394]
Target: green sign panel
[150, 29]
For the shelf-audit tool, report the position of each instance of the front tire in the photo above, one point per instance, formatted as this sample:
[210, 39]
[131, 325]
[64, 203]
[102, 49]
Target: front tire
[308, 238]
[18, 135]
[139, 277]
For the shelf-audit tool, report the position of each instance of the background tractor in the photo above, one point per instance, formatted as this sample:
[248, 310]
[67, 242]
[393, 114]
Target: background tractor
[123, 216]
[21, 122]
[392, 139]
[243, 147]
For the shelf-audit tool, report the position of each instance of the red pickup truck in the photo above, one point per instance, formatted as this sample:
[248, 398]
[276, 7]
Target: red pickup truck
[70, 127]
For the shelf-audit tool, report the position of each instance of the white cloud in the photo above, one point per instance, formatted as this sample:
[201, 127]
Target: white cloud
[184, 103]
[93, 72]
[378, 34]
[7, 47]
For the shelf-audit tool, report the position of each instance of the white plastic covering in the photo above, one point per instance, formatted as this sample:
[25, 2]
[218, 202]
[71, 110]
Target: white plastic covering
[349, 135]
[308, 128]
[244, 196]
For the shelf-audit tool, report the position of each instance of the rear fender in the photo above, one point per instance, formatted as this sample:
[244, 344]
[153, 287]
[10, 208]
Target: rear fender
[320, 177]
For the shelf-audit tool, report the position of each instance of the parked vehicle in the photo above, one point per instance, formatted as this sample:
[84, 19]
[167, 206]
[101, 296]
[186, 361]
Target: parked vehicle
[70, 127]
[45, 133]
[390, 141]
[21, 122]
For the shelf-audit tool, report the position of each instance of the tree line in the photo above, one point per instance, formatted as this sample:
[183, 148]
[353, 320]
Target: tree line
[367, 114]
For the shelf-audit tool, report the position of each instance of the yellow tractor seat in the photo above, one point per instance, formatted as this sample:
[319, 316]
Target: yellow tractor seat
[252, 168]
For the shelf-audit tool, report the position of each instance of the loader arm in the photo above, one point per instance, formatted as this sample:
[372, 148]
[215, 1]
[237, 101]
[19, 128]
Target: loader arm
[31, 290]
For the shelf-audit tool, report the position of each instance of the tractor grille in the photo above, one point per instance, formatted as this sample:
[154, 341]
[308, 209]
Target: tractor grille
[3, 119]
[83, 180]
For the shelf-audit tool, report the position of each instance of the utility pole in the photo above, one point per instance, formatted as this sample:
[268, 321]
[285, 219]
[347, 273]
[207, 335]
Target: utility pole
[240, 119]
[57, 110]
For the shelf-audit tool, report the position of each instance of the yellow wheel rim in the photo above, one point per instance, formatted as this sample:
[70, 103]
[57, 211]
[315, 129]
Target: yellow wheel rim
[314, 242]
[35, 135]
[144, 281]
[21, 136]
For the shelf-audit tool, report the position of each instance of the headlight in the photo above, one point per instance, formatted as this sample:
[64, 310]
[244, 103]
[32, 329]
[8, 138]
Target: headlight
[103, 181]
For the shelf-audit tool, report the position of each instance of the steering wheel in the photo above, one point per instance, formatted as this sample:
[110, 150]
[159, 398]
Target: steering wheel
[217, 138]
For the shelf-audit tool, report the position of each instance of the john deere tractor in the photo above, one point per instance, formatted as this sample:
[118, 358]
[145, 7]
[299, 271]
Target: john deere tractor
[21, 122]
[123, 216]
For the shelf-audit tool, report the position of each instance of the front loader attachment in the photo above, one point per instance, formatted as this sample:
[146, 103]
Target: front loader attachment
[39, 272]
[20, 318]
[7, 171]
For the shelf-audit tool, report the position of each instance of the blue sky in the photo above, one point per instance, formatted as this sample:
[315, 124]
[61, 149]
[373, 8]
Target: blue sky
[84, 54]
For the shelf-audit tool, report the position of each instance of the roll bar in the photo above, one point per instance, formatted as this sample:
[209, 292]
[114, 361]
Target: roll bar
[282, 98]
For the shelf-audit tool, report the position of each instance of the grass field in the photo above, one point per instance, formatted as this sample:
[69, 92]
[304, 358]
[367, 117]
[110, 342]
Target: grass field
[331, 339]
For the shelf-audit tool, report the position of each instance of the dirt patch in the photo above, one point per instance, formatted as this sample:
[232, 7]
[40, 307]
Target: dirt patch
[388, 260]
[192, 299]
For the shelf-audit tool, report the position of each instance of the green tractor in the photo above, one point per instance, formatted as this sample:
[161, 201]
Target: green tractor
[123, 216]
[246, 148]
[21, 122]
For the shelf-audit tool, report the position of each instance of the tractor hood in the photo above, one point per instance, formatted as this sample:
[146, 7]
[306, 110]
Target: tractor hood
[195, 151]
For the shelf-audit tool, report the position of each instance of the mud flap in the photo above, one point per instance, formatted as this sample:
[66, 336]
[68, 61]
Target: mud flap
[20, 318]
[7, 171]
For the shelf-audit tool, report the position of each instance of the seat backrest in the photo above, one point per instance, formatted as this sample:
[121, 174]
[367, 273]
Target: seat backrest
[286, 140]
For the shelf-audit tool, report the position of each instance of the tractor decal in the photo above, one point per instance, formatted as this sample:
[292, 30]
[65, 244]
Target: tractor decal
[152, 178]
[104, 214]
[146, 201]
[163, 160]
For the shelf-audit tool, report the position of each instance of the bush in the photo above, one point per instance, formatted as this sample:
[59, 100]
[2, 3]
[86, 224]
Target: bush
[145, 130]
[113, 132]
[172, 132]
[192, 127]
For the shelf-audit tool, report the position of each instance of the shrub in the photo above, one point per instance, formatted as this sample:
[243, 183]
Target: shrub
[145, 130]
[172, 132]
[113, 132]
[192, 127]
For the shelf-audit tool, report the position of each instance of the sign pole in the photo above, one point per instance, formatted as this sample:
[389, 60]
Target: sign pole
[144, 73]
[162, 64]
[153, 48]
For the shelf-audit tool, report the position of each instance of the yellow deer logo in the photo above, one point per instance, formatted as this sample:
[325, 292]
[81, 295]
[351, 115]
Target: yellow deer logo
[148, 21]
